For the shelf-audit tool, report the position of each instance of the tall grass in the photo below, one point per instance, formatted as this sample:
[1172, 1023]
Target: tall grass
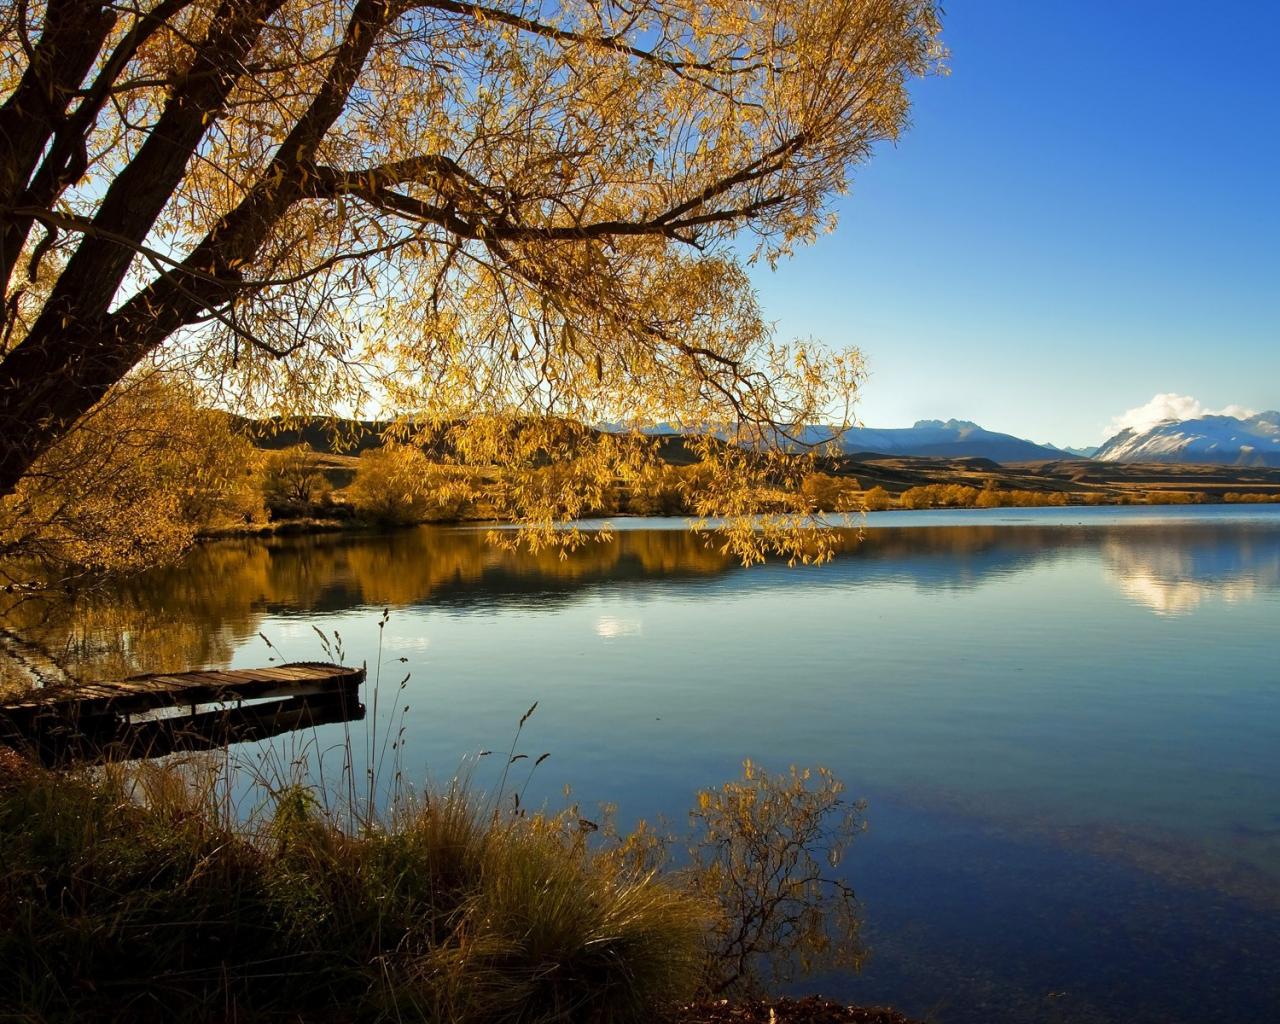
[133, 895]
[217, 888]
[175, 891]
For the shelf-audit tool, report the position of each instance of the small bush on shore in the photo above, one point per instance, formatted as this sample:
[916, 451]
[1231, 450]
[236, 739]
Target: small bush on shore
[939, 496]
[764, 851]
[827, 493]
[293, 483]
[132, 484]
[991, 496]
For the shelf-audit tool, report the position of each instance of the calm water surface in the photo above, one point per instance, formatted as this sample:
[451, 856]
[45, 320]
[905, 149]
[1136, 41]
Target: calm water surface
[1066, 722]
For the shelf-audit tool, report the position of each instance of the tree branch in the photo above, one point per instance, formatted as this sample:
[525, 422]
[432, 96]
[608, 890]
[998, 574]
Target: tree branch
[67, 159]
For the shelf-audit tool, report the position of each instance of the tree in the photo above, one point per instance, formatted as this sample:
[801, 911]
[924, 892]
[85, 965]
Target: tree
[395, 484]
[877, 499]
[129, 485]
[292, 480]
[468, 208]
[829, 493]
[990, 496]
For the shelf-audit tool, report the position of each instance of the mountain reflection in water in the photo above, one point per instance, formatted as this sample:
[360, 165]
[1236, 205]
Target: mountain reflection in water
[1173, 578]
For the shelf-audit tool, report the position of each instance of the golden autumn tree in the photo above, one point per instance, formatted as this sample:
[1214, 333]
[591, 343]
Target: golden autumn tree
[130, 485]
[292, 479]
[473, 212]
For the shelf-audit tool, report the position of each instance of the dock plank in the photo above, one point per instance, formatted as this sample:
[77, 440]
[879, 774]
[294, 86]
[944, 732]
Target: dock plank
[171, 689]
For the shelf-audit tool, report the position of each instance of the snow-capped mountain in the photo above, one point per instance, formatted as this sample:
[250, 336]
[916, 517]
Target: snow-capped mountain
[938, 439]
[1254, 441]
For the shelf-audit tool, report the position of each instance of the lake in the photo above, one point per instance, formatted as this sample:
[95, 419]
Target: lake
[1065, 722]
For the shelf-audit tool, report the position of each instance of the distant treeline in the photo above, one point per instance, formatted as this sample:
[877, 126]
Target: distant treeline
[151, 470]
[353, 476]
[1237, 498]
[399, 485]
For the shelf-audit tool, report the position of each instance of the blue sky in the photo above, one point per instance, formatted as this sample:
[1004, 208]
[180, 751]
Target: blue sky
[1083, 215]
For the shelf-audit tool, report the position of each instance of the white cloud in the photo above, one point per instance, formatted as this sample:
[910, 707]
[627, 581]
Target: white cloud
[1170, 406]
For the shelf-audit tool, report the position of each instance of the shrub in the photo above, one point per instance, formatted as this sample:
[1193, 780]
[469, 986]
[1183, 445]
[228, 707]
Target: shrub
[664, 491]
[827, 493]
[132, 483]
[991, 496]
[916, 497]
[1034, 499]
[1236, 497]
[755, 851]
[877, 499]
[939, 496]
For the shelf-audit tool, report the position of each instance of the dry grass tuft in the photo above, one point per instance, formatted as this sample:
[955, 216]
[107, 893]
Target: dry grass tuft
[131, 895]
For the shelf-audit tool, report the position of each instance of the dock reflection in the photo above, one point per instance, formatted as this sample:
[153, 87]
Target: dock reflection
[68, 742]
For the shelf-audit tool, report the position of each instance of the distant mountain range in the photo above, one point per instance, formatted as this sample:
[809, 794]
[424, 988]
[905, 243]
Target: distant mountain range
[945, 439]
[1254, 441]
[1217, 440]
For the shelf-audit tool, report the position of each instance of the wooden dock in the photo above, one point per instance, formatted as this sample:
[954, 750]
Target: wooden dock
[129, 717]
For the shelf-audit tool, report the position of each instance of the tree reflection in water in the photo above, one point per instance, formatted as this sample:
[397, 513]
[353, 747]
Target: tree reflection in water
[194, 614]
